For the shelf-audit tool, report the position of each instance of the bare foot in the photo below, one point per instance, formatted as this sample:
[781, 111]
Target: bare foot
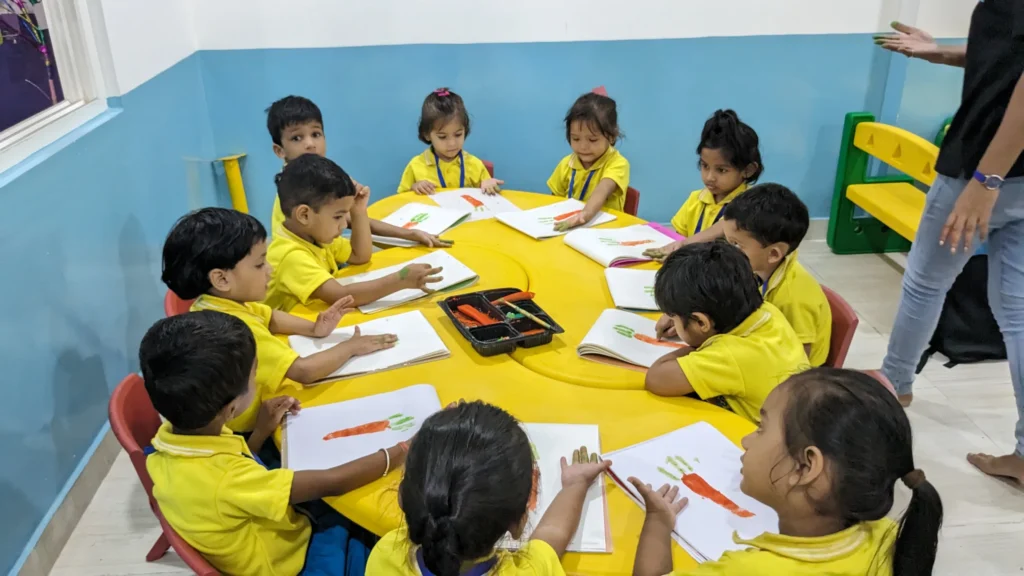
[1009, 466]
[906, 399]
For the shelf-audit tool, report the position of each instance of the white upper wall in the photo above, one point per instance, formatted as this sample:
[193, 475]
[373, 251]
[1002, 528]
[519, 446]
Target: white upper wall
[147, 37]
[946, 18]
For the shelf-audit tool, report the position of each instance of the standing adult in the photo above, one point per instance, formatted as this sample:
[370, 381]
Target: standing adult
[978, 195]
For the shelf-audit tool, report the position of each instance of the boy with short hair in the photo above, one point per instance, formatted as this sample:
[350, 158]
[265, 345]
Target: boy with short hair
[218, 256]
[317, 197]
[740, 348]
[768, 223]
[199, 369]
[296, 128]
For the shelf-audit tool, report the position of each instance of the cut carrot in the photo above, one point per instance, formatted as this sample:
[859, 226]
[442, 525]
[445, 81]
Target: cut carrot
[477, 315]
[700, 487]
[533, 332]
[515, 297]
[567, 215]
[395, 422]
[465, 320]
[472, 201]
[656, 342]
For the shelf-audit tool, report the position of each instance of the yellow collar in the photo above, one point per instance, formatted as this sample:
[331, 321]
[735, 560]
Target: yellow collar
[817, 549]
[199, 446]
[428, 157]
[575, 164]
[780, 273]
[708, 198]
[751, 323]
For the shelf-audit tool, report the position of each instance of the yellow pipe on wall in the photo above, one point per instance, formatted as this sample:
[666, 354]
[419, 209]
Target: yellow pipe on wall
[233, 173]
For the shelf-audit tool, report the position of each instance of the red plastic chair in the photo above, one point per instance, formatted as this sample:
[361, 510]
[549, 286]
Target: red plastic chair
[844, 325]
[134, 422]
[632, 204]
[489, 166]
[174, 306]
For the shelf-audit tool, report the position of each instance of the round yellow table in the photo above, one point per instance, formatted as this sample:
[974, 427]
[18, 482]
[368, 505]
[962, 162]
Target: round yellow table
[540, 385]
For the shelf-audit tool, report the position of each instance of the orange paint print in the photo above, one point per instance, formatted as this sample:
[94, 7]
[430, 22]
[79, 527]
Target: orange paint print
[476, 204]
[627, 243]
[700, 486]
[559, 218]
[396, 422]
[628, 332]
[416, 220]
[531, 504]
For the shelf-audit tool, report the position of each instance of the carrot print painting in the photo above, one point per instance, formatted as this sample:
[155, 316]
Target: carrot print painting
[700, 487]
[416, 220]
[396, 422]
[628, 332]
[614, 242]
[531, 504]
[477, 205]
[559, 218]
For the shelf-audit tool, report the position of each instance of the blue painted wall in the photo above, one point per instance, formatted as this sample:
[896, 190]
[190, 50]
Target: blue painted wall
[80, 248]
[931, 93]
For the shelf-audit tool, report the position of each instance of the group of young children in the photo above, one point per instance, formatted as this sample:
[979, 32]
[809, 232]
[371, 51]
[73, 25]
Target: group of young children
[829, 447]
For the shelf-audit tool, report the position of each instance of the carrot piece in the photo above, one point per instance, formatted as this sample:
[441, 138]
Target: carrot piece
[656, 342]
[477, 315]
[472, 201]
[567, 215]
[515, 297]
[534, 331]
[700, 487]
[465, 320]
[368, 428]
[531, 504]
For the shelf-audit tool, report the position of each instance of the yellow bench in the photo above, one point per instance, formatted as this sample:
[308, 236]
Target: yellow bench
[894, 204]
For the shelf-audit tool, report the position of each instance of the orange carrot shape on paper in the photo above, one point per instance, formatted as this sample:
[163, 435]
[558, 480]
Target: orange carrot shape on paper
[628, 332]
[396, 422]
[416, 220]
[531, 504]
[477, 205]
[700, 486]
[559, 218]
[614, 242]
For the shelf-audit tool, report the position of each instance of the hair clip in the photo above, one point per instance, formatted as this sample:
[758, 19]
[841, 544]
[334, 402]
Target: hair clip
[442, 92]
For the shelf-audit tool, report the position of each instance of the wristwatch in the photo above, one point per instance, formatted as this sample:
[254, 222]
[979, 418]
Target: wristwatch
[990, 181]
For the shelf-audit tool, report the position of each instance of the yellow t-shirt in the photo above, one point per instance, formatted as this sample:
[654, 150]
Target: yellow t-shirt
[611, 165]
[800, 299]
[423, 167]
[394, 555]
[274, 357]
[340, 247]
[861, 550]
[701, 202]
[226, 505]
[299, 269]
[745, 364]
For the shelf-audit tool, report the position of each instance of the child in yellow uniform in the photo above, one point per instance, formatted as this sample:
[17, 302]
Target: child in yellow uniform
[468, 481]
[296, 128]
[212, 488]
[729, 161]
[767, 223]
[595, 173]
[740, 348]
[826, 457]
[444, 126]
[318, 198]
[219, 257]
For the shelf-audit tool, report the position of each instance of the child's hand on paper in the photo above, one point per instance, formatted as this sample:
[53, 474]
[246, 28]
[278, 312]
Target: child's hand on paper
[424, 187]
[583, 469]
[363, 345]
[660, 254]
[491, 186]
[572, 222]
[663, 504]
[418, 276]
[272, 413]
[429, 240]
[327, 320]
[665, 327]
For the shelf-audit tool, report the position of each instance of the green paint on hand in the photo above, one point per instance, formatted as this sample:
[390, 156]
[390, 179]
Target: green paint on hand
[403, 273]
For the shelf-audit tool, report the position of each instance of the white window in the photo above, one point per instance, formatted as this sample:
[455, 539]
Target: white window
[54, 80]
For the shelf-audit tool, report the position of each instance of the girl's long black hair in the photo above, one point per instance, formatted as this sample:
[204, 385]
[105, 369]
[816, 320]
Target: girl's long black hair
[736, 140]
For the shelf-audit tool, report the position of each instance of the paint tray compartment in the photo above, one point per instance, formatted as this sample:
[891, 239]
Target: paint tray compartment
[505, 334]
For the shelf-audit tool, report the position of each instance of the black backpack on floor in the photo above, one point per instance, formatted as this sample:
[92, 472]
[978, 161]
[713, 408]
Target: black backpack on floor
[967, 330]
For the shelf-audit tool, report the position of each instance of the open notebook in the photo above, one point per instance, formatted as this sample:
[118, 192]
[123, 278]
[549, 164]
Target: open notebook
[705, 466]
[632, 289]
[625, 339]
[480, 206]
[617, 246]
[540, 222]
[550, 442]
[425, 217]
[325, 436]
[454, 276]
[417, 342]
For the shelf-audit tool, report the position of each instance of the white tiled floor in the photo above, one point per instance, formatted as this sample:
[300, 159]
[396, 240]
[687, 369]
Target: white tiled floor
[955, 411]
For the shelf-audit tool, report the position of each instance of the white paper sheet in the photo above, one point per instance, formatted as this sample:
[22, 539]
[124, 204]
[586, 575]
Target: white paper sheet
[540, 222]
[481, 206]
[633, 289]
[698, 449]
[305, 446]
[454, 273]
[417, 342]
[425, 217]
[615, 335]
[616, 246]
[551, 442]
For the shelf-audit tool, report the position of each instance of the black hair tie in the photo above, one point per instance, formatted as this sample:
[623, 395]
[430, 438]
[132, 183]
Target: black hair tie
[914, 478]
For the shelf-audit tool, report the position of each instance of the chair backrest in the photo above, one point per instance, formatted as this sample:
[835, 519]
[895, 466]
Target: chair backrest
[844, 326]
[135, 422]
[490, 167]
[903, 150]
[632, 204]
[174, 305]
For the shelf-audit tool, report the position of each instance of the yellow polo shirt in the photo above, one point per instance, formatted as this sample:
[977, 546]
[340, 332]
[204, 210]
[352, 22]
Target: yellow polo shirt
[226, 505]
[340, 247]
[862, 549]
[745, 364]
[799, 297]
[273, 356]
[611, 165]
[423, 167]
[300, 268]
[394, 555]
[701, 202]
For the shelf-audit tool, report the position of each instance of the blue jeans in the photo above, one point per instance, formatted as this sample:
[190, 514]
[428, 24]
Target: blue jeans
[931, 270]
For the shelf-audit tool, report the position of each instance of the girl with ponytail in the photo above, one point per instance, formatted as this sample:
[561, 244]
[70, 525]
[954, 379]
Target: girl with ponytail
[826, 457]
[468, 480]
